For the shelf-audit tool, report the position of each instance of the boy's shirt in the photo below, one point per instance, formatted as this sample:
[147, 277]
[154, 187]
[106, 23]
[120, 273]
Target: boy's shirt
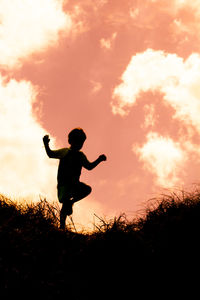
[70, 165]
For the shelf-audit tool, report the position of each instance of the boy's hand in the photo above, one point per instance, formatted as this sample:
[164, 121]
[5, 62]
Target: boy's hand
[46, 139]
[102, 157]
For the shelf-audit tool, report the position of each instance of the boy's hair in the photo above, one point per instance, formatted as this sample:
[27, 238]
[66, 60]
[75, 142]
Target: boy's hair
[76, 134]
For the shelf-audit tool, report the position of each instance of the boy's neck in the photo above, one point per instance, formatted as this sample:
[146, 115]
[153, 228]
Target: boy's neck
[73, 149]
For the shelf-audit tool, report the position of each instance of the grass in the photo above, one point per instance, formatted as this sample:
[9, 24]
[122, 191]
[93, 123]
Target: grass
[119, 256]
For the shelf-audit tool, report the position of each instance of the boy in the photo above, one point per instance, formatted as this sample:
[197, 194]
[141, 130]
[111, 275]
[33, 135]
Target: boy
[70, 189]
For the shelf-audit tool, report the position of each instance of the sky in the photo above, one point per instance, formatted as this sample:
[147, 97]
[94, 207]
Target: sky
[127, 72]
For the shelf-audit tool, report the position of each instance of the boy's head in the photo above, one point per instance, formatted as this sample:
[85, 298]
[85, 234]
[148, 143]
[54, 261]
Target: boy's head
[76, 138]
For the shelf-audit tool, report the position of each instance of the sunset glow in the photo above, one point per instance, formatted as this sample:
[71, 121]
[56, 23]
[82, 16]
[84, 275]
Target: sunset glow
[127, 72]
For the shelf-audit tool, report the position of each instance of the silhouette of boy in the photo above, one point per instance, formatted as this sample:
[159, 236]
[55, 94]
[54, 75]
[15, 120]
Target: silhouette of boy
[70, 189]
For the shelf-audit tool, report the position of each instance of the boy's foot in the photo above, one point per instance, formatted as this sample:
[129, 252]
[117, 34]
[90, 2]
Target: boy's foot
[69, 210]
[65, 211]
[62, 225]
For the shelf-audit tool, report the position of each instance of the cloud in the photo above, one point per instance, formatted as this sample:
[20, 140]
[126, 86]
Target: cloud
[25, 170]
[29, 26]
[176, 79]
[150, 70]
[162, 157]
[108, 43]
[150, 117]
[185, 14]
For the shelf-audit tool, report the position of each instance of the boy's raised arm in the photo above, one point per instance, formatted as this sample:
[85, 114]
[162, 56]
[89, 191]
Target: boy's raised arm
[46, 141]
[53, 153]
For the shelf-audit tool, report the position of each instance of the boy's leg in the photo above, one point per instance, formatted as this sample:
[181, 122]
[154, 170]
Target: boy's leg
[81, 190]
[64, 198]
[66, 210]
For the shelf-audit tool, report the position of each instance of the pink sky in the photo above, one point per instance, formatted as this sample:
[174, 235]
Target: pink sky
[127, 72]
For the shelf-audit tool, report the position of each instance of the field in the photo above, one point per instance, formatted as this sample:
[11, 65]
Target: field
[157, 251]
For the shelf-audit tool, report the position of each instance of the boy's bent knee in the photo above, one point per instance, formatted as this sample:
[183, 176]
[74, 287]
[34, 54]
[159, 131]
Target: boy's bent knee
[82, 191]
[89, 189]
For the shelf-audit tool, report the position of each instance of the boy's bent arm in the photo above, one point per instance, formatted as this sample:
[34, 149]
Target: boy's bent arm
[91, 165]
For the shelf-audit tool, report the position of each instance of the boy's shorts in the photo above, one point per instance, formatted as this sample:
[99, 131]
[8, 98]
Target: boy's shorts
[77, 191]
[64, 193]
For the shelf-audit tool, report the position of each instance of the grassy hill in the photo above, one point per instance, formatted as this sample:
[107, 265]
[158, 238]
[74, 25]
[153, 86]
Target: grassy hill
[37, 259]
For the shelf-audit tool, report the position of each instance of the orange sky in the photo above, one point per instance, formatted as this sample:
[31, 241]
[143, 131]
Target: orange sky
[127, 72]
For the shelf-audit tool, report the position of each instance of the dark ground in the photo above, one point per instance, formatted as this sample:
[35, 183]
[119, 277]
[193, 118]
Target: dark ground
[156, 255]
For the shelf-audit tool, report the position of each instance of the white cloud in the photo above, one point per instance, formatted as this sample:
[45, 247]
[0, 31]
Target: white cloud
[179, 83]
[25, 169]
[27, 26]
[162, 157]
[169, 74]
[146, 71]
